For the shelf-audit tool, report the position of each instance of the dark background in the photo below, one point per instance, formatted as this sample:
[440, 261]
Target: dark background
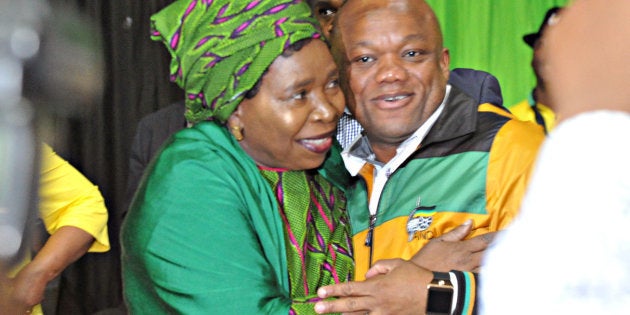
[135, 83]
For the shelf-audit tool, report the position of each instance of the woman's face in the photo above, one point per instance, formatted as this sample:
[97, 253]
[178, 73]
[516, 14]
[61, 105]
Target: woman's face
[291, 121]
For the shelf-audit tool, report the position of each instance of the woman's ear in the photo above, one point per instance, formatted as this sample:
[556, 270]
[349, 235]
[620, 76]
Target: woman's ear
[235, 124]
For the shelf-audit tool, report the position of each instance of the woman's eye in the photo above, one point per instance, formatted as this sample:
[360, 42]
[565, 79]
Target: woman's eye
[299, 95]
[333, 84]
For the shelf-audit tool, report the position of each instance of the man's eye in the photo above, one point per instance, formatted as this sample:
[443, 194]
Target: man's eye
[327, 12]
[364, 59]
[415, 53]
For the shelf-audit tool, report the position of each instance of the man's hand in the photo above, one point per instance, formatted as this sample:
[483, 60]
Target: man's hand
[451, 252]
[398, 288]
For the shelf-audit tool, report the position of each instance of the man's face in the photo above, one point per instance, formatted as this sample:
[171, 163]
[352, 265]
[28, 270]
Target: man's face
[395, 65]
[325, 11]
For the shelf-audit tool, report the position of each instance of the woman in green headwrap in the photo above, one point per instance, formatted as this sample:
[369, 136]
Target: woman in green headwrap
[242, 213]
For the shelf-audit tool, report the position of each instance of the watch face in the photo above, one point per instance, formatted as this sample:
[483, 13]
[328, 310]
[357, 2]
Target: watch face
[439, 300]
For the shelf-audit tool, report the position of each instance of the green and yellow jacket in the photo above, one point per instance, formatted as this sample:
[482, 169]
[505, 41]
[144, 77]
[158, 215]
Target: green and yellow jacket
[474, 163]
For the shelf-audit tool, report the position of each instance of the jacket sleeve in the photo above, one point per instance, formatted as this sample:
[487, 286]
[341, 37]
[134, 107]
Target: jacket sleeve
[512, 159]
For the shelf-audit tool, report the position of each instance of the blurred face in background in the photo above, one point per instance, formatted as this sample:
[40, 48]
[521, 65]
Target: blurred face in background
[325, 11]
[586, 57]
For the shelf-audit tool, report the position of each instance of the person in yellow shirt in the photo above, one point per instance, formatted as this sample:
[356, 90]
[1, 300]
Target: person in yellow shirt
[535, 107]
[75, 216]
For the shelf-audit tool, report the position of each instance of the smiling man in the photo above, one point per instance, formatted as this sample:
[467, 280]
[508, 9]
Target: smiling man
[429, 150]
[431, 156]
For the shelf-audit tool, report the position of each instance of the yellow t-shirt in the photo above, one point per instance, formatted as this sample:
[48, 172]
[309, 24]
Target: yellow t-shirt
[67, 198]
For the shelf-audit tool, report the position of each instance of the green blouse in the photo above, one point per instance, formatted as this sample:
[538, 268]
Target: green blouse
[206, 233]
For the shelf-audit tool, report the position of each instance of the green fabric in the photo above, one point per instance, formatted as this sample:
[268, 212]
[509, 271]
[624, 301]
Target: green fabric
[221, 48]
[488, 35]
[317, 233]
[204, 235]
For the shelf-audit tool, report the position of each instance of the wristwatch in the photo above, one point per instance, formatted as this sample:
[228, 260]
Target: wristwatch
[440, 294]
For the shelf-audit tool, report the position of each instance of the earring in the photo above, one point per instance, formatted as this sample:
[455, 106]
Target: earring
[237, 133]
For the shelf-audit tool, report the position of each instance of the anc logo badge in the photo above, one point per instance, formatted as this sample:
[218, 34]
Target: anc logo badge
[419, 219]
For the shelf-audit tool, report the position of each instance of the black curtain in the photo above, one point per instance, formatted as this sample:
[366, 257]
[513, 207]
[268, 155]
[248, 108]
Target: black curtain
[136, 83]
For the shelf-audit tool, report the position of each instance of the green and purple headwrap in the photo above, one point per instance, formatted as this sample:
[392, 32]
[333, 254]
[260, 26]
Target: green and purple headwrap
[221, 48]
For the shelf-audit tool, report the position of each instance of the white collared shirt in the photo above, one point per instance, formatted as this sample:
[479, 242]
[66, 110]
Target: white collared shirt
[382, 172]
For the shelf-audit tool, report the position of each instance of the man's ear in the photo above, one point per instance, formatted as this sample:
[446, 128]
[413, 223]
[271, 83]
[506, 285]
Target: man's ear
[445, 62]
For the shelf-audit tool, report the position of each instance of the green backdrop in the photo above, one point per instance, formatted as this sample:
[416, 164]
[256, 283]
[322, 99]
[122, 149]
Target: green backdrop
[487, 35]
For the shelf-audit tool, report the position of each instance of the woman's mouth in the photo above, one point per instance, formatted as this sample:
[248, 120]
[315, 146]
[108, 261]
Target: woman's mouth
[317, 145]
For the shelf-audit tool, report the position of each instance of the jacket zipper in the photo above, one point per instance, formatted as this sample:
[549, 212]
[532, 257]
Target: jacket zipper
[369, 240]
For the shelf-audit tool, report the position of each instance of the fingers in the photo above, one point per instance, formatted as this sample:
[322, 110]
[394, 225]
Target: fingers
[489, 237]
[481, 242]
[352, 296]
[343, 305]
[351, 288]
[458, 233]
[474, 262]
[469, 256]
[382, 267]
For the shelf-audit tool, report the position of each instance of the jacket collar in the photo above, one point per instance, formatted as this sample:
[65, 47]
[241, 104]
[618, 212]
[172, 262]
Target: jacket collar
[459, 118]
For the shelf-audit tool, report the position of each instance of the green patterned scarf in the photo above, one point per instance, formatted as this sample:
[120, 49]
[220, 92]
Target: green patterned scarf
[317, 233]
[221, 48]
